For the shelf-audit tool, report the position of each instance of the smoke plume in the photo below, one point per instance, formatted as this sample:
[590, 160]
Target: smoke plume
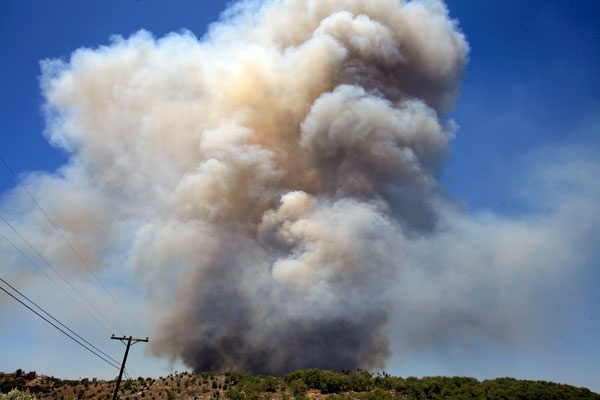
[274, 186]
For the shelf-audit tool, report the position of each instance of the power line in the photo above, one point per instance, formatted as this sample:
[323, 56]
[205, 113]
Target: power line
[54, 282]
[57, 327]
[57, 271]
[57, 321]
[68, 243]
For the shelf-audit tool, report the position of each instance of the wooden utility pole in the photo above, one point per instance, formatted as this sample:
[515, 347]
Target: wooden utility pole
[130, 340]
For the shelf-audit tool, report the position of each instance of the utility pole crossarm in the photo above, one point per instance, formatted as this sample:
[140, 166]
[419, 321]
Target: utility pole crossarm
[129, 340]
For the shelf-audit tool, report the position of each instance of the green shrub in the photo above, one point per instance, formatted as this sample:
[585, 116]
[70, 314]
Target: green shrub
[16, 394]
[323, 380]
[298, 387]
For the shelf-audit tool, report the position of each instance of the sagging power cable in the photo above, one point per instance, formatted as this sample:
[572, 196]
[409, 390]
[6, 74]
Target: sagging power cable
[89, 347]
[64, 278]
[88, 312]
[20, 183]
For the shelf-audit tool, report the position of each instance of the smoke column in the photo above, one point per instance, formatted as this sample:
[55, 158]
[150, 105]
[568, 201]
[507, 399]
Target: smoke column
[268, 173]
[274, 186]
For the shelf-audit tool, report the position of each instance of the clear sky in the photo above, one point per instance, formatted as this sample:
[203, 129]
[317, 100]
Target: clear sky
[527, 144]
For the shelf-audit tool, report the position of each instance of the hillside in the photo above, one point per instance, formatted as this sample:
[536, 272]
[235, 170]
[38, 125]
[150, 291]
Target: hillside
[301, 385]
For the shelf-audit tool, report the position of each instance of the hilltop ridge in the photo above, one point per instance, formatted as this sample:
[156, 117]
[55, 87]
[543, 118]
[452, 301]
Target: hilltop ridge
[311, 384]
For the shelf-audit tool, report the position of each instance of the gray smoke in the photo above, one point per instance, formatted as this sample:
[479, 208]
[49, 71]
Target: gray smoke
[266, 175]
[273, 186]
[328, 154]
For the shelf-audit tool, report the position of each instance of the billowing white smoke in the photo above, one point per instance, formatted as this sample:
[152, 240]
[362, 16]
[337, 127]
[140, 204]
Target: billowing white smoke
[274, 188]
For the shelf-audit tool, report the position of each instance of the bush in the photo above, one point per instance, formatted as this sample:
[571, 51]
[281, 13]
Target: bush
[377, 394]
[298, 387]
[323, 380]
[16, 394]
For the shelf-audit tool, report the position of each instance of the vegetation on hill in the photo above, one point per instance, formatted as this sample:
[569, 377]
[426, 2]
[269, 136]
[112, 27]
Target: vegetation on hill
[310, 384]
[17, 394]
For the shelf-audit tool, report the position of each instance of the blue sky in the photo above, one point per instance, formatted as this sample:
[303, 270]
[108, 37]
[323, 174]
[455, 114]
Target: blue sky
[529, 104]
[532, 75]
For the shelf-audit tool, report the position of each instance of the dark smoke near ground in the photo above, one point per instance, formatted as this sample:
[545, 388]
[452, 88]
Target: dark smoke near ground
[274, 188]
